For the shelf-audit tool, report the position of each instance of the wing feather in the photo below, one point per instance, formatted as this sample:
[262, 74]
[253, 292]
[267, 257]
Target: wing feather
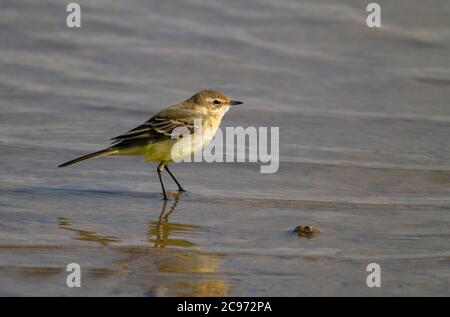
[159, 127]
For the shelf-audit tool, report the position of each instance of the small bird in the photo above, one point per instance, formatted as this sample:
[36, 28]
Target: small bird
[157, 138]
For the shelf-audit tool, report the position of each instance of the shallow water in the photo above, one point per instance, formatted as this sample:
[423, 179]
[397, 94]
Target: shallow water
[364, 121]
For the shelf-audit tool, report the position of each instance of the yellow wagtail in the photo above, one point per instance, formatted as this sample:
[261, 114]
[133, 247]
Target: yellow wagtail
[154, 138]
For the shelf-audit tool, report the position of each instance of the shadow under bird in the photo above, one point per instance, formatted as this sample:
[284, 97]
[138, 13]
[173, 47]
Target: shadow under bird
[155, 138]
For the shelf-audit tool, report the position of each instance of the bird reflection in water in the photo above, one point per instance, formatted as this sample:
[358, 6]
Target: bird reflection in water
[84, 235]
[159, 231]
[187, 271]
[195, 272]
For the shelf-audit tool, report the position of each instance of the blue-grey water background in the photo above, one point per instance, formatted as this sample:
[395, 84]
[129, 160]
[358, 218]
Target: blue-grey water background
[364, 119]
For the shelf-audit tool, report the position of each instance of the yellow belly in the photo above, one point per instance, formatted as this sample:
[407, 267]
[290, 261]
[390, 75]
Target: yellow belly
[158, 152]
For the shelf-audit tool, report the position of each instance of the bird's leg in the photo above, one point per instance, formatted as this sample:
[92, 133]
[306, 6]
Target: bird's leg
[159, 169]
[173, 177]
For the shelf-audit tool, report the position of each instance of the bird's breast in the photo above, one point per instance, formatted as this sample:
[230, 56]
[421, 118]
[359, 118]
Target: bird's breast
[209, 128]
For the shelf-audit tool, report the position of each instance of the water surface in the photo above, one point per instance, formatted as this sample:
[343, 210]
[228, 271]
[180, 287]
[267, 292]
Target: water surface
[364, 121]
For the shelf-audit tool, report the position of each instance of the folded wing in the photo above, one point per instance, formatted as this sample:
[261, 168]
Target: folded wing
[158, 127]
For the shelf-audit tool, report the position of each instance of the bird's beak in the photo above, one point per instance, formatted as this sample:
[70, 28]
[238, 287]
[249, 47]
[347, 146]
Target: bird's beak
[235, 102]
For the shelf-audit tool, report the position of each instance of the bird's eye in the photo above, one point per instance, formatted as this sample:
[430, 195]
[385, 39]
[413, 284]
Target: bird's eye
[217, 102]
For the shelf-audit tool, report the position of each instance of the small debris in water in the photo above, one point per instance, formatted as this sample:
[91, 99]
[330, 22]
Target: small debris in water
[306, 231]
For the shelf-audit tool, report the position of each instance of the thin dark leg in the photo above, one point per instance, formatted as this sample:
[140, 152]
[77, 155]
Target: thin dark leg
[160, 167]
[173, 177]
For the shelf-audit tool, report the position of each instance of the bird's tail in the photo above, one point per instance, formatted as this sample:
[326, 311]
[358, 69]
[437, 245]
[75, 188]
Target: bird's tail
[101, 153]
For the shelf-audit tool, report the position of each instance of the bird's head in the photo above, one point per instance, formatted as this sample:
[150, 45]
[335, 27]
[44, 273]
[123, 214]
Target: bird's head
[214, 101]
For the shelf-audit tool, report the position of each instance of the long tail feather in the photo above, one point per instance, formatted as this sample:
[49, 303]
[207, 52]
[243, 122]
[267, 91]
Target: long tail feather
[101, 153]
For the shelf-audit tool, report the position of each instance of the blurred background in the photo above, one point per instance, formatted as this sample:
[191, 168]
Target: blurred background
[364, 121]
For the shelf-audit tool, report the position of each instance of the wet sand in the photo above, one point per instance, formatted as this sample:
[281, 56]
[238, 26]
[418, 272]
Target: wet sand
[364, 121]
